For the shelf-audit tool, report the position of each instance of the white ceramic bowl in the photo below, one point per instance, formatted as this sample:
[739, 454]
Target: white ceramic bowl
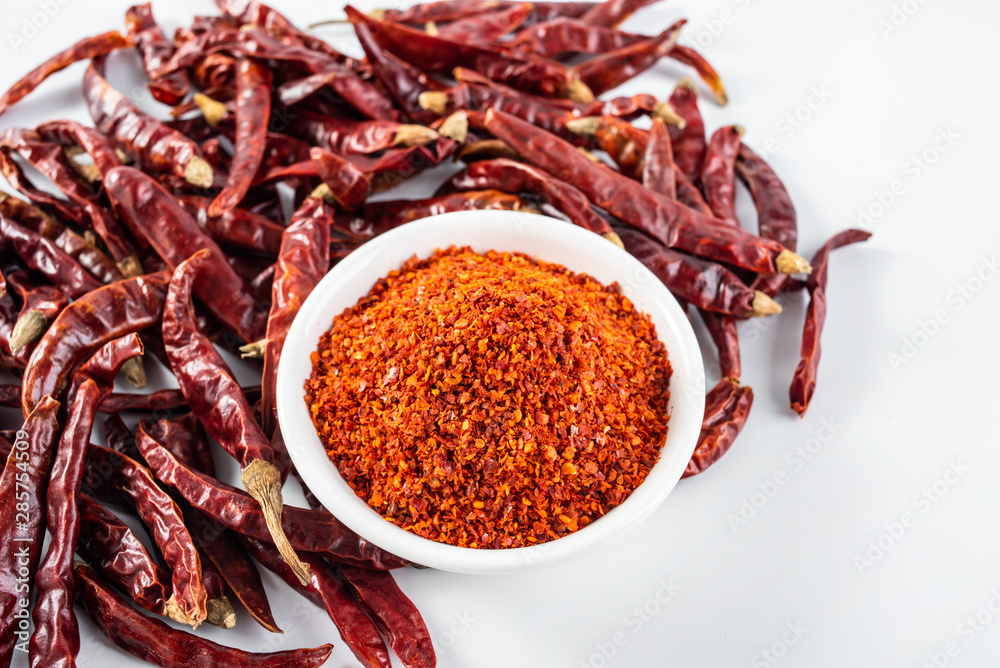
[538, 236]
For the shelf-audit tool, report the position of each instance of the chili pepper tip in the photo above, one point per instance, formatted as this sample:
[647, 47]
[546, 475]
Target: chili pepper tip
[615, 239]
[199, 173]
[788, 262]
[668, 115]
[763, 305]
[433, 100]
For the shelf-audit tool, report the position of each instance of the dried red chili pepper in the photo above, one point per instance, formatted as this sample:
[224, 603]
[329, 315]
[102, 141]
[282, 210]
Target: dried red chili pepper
[624, 143]
[689, 195]
[10, 395]
[718, 177]
[726, 409]
[154, 145]
[659, 173]
[308, 530]
[347, 185]
[93, 143]
[88, 323]
[444, 11]
[216, 398]
[23, 481]
[216, 71]
[110, 547]
[725, 335]
[439, 55]
[613, 12]
[153, 213]
[517, 178]
[237, 228]
[707, 285]
[156, 50]
[688, 142]
[348, 137]
[56, 638]
[394, 614]
[566, 35]
[804, 381]
[361, 94]
[162, 400]
[155, 642]
[487, 27]
[776, 217]
[690, 57]
[253, 113]
[376, 218]
[43, 256]
[671, 223]
[110, 474]
[610, 70]
[326, 591]
[40, 304]
[220, 611]
[85, 49]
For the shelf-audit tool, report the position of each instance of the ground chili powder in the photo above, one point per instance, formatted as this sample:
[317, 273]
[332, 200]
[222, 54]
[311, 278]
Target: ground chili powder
[491, 400]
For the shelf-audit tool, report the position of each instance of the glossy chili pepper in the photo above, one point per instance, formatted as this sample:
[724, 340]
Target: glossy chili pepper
[659, 173]
[153, 213]
[326, 591]
[156, 50]
[215, 71]
[56, 638]
[237, 228]
[707, 285]
[517, 178]
[216, 398]
[718, 176]
[804, 381]
[349, 137]
[727, 407]
[110, 547]
[110, 474]
[487, 27]
[88, 323]
[439, 55]
[671, 223]
[347, 185]
[10, 395]
[23, 482]
[43, 256]
[308, 530]
[92, 142]
[613, 12]
[85, 49]
[154, 402]
[40, 305]
[361, 94]
[566, 35]
[688, 142]
[154, 145]
[624, 143]
[610, 70]
[153, 641]
[690, 57]
[376, 218]
[394, 614]
[776, 217]
[444, 11]
[725, 335]
[689, 195]
[220, 611]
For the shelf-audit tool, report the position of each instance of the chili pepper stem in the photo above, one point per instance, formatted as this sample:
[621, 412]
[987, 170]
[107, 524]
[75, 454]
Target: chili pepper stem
[263, 482]
[255, 350]
[763, 305]
[87, 171]
[788, 262]
[414, 135]
[199, 173]
[174, 612]
[485, 149]
[28, 329]
[212, 110]
[455, 127]
[585, 127]
[615, 239]
[433, 100]
[221, 613]
[135, 372]
[577, 91]
[431, 28]
[130, 267]
[668, 115]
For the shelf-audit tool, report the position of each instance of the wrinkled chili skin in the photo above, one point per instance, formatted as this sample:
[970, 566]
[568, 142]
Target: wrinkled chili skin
[690, 57]
[610, 70]
[111, 473]
[725, 334]
[488, 27]
[95, 144]
[452, 10]
[515, 177]
[149, 210]
[154, 145]
[156, 50]
[567, 35]
[659, 173]
[394, 614]
[349, 186]
[153, 641]
[87, 324]
[803, 386]
[727, 407]
[613, 12]
[707, 285]
[688, 142]
[326, 591]
[308, 531]
[155, 402]
[253, 113]
[40, 434]
[304, 260]
[56, 638]
[104, 365]
[42, 255]
[673, 224]
[85, 49]
[345, 137]
[110, 547]
[237, 227]
[402, 85]
[718, 176]
[689, 195]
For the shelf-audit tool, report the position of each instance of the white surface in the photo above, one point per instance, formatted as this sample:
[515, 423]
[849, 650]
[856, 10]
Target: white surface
[688, 589]
[537, 236]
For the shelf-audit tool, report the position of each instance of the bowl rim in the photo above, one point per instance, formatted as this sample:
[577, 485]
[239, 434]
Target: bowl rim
[523, 231]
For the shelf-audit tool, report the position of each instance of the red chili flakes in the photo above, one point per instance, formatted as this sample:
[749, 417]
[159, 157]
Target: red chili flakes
[491, 401]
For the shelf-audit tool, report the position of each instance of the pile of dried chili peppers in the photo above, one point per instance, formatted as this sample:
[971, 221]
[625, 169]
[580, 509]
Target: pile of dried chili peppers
[170, 235]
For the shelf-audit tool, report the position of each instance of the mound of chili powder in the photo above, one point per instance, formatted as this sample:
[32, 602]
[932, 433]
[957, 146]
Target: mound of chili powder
[491, 401]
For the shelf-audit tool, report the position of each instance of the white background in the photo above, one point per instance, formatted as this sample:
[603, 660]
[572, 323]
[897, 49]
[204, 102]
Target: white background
[893, 81]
